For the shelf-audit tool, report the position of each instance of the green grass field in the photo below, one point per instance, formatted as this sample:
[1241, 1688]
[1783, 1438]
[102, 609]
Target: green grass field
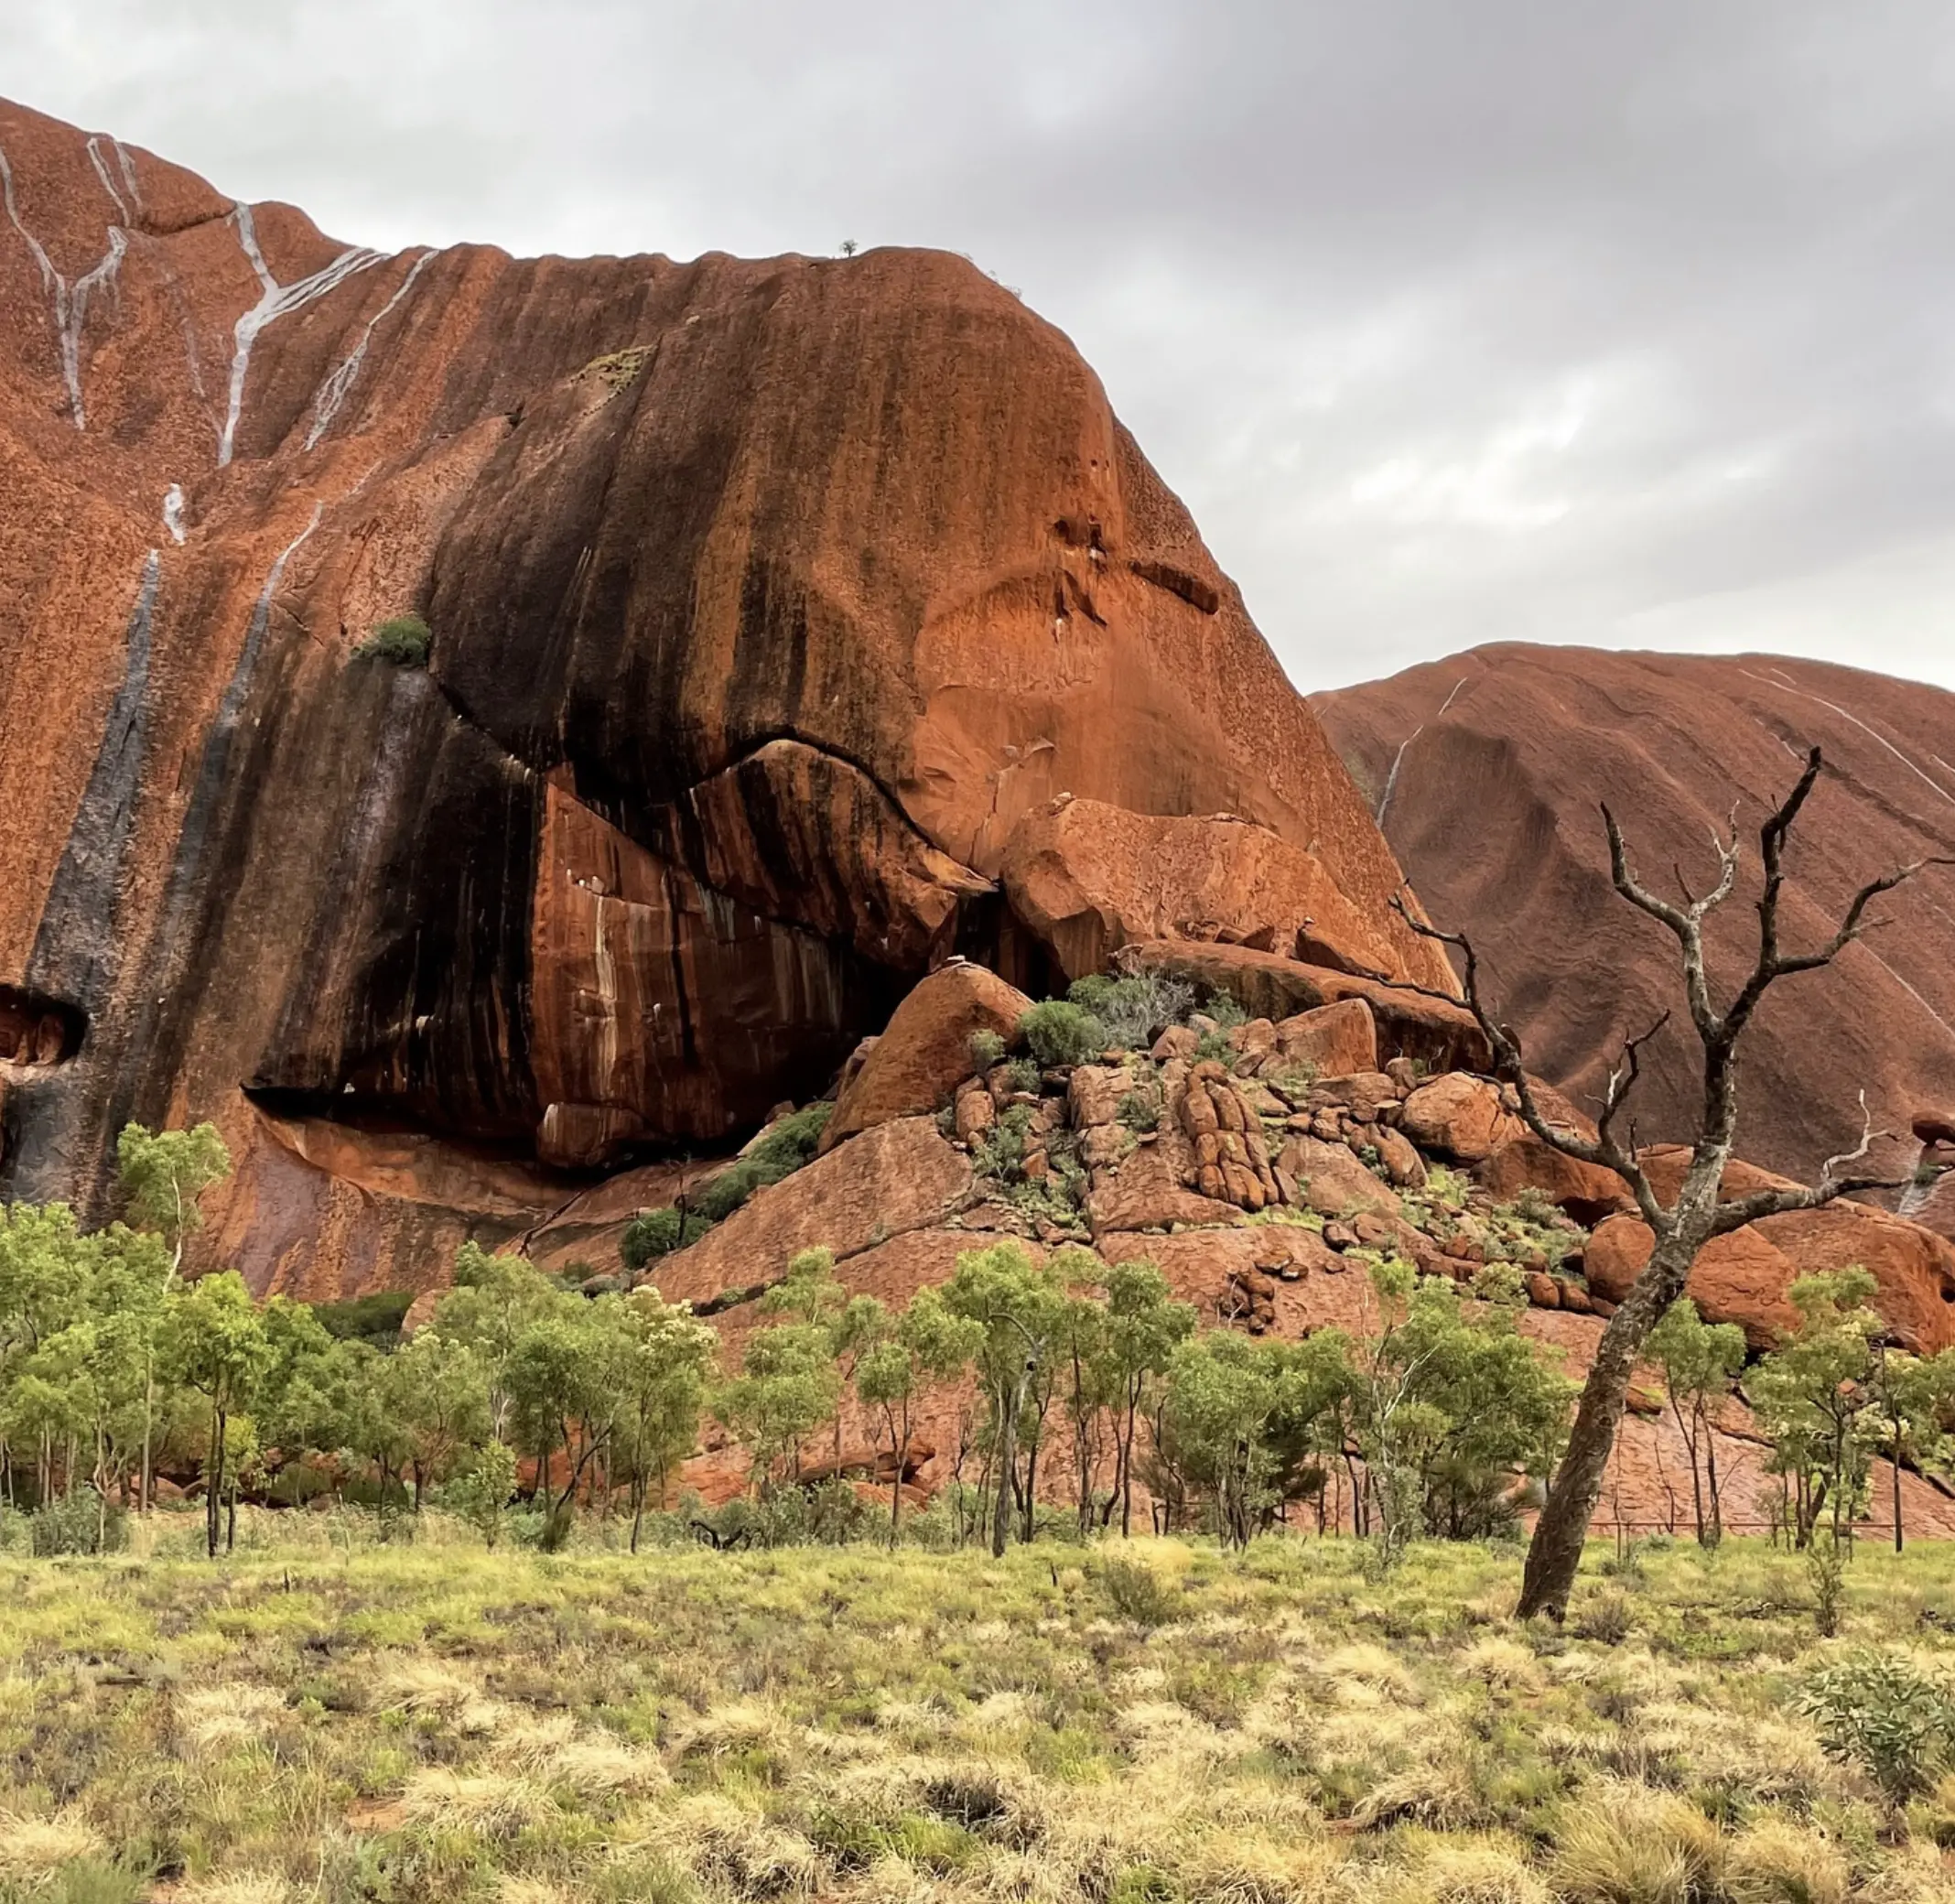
[1120, 1726]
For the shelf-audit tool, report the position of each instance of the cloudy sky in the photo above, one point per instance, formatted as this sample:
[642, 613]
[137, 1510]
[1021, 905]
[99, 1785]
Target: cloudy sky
[1623, 323]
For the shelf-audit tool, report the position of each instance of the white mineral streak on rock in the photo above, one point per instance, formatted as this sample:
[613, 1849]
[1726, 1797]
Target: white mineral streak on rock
[333, 392]
[70, 303]
[276, 302]
[173, 510]
[102, 172]
[126, 159]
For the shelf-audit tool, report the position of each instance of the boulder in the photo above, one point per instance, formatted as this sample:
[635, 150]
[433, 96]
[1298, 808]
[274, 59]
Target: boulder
[1088, 878]
[1402, 1162]
[1460, 1116]
[899, 1176]
[1586, 1191]
[1331, 1181]
[1336, 1039]
[1363, 1095]
[925, 1051]
[1741, 1278]
[1441, 1036]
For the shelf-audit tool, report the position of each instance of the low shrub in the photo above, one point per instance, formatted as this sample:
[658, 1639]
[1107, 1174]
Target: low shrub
[402, 641]
[1137, 1593]
[1135, 1009]
[376, 1319]
[1061, 1034]
[1883, 1713]
[78, 1523]
[986, 1049]
[657, 1233]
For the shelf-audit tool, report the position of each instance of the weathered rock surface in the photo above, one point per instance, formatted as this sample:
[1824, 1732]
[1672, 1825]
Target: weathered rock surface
[1487, 769]
[1439, 1035]
[897, 1177]
[1333, 1039]
[1088, 878]
[1460, 1117]
[768, 598]
[925, 1050]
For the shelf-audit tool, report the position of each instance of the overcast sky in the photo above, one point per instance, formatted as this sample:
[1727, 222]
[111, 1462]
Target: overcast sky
[1454, 320]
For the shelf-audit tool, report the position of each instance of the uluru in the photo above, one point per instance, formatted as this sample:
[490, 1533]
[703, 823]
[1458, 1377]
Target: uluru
[1487, 772]
[768, 601]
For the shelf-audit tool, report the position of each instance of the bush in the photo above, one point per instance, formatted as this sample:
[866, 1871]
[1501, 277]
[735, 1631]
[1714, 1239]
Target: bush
[76, 1523]
[404, 641]
[376, 1318]
[1882, 1713]
[1139, 1110]
[653, 1234]
[986, 1049]
[1061, 1034]
[1137, 1593]
[1135, 1009]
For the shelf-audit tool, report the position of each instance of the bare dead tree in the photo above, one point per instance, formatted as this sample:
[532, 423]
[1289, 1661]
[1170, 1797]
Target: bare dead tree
[1698, 1215]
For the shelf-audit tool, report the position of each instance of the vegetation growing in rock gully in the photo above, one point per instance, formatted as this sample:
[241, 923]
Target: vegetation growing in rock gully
[336, 1719]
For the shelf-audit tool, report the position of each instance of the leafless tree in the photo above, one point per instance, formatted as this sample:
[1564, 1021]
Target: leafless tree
[1698, 1217]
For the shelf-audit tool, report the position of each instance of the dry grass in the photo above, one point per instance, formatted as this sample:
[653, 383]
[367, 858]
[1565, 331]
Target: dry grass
[420, 1724]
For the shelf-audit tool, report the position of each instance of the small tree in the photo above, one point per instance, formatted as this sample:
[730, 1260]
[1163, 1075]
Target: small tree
[494, 1300]
[1020, 1307]
[441, 1392]
[787, 1387]
[664, 1360]
[163, 1174]
[929, 1344]
[214, 1340]
[1699, 1361]
[1698, 1215]
[1811, 1394]
[1144, 1327]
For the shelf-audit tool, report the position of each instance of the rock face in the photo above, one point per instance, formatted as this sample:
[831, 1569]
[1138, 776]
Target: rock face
[768, 598]
[1088, 878]
[1486, 771]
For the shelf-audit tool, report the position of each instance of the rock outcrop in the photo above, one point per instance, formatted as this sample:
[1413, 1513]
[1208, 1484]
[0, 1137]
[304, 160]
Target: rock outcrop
[1486, 771]
[768, 598]
[1265, 1194]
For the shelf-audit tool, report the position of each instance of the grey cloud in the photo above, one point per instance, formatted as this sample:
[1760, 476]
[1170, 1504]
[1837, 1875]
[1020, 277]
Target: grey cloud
[1553, 322]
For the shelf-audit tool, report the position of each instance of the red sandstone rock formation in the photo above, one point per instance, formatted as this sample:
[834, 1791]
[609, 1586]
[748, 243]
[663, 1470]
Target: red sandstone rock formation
[1487, 770]
[768, 597]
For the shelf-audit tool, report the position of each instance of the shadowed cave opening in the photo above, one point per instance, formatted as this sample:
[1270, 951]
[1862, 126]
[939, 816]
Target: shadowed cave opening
[35, 1029]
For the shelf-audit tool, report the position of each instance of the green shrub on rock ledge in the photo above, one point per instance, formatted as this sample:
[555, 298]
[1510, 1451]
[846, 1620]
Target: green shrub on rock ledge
[1061, 1034]
[402, 641]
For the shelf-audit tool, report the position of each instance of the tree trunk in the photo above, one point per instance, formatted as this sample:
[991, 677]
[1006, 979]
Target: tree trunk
[213, 1480]
[1007, 1460]
[1555, 1552]
[1716, 1526]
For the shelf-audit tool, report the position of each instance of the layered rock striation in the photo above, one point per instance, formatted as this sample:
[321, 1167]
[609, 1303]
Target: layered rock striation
[770, 600]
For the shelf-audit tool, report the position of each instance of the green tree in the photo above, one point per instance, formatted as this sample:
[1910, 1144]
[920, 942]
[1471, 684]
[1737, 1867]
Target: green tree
[1911, 1398]
[1699, 1361]
[665, 1362]
[163, 1173]
[494, 1300]
[214, 1341]
[1812, 1395]
[1451, 1401]
[1020, 1307]
[441, 1391]
[1144, 1327]
[47, 1268]
[1241, 1417]
[563, 1378]
[787, 1387]
[929, 1344]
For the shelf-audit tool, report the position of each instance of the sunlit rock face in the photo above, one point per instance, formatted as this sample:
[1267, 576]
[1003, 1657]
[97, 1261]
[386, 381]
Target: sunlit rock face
[768, 597]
